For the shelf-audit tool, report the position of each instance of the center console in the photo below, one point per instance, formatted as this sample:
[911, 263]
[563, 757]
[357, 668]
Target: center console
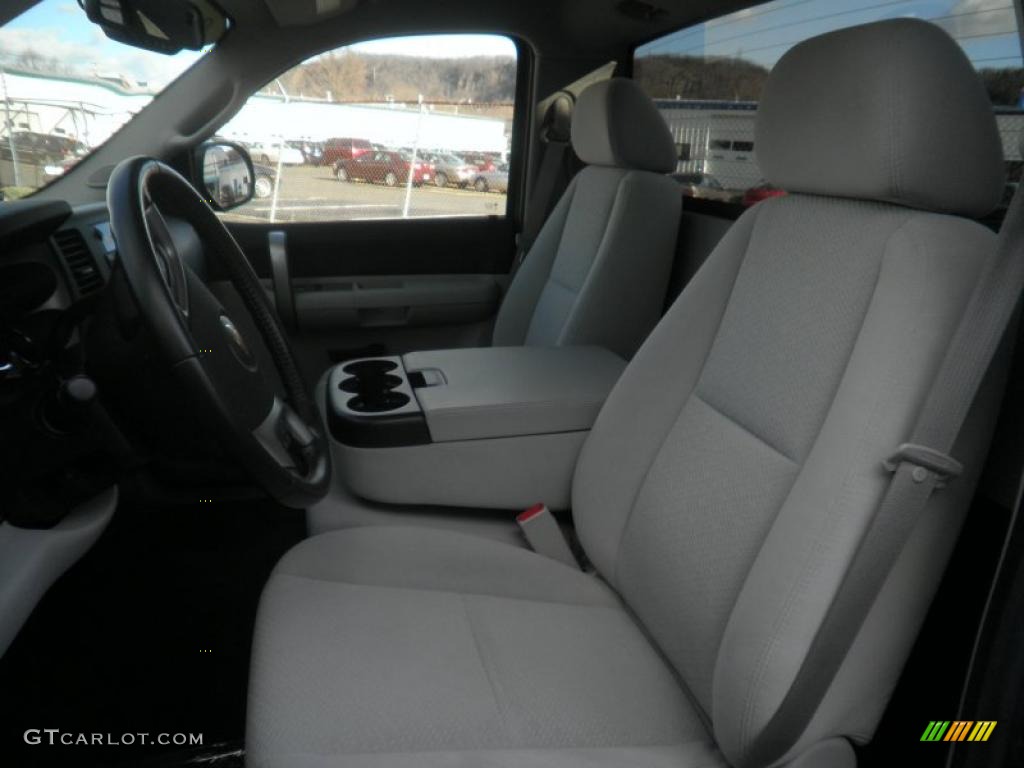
[493, 427]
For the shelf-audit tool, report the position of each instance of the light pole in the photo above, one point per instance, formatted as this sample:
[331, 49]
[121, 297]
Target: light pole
[10, 126]
[280, 156]
[412, 160]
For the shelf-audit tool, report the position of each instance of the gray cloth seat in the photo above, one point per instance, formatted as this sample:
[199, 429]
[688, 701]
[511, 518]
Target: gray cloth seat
[721, 495]
[598, 270]
[455, 650]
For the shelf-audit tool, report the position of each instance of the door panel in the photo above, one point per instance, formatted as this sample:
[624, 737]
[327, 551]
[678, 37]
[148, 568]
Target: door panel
[323, 304]
[435, 246]
[385, 287]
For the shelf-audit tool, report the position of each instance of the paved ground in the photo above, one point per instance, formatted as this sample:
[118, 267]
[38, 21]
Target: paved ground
[308, 193]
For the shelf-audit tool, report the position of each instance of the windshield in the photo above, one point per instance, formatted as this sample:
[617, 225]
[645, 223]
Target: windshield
[66, 88]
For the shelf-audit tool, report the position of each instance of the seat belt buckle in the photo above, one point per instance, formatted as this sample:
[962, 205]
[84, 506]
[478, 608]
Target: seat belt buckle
[925, 461]
[544, 535]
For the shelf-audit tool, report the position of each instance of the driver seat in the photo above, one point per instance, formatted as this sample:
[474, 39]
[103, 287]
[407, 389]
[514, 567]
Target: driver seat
[721, 495]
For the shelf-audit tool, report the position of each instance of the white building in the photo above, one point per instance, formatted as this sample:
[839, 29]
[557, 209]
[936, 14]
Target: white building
[90, 110]
[394, 125]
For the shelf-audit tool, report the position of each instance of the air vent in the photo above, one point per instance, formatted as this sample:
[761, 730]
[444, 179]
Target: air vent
[79, 260]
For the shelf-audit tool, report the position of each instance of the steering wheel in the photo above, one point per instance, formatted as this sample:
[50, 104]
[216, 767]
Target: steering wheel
[275, 435]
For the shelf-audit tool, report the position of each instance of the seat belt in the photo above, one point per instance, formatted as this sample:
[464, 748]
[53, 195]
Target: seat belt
[544, 535]
[919, 467]
[554, 135]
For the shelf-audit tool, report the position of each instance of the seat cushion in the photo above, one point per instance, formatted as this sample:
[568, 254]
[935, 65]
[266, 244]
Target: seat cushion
[406, 646]
[598, 271]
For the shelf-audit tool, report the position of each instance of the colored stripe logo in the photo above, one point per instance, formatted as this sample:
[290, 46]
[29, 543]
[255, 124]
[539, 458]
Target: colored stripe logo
[958, 730]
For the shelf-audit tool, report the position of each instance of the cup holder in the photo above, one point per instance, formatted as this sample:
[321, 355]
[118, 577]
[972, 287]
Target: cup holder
[370, 368]
[379, 402]
[376, 389]
[370, 384]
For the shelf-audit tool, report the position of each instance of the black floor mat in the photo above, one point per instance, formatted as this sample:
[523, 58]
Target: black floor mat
[149, 633]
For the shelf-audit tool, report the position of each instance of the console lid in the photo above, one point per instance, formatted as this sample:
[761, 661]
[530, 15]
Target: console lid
[471, 394]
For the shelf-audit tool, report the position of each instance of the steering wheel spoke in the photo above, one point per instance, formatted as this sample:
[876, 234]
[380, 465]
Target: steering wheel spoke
[288, 440]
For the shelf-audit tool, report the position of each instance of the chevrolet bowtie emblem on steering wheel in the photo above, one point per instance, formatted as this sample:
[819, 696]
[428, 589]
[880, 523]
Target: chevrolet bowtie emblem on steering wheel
[237, 343]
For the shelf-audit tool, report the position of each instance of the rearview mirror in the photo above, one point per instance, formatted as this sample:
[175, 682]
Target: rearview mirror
[165, 26]
[226, 174]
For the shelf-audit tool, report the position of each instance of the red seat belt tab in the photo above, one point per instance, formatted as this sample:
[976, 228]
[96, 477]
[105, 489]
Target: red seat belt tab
[544, 535]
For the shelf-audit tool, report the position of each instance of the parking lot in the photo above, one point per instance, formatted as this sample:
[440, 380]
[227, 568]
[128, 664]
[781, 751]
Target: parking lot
[311, 193]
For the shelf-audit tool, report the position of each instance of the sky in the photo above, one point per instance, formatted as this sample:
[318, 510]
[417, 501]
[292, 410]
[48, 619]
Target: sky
[441, 46]
[985, 29]
[61, 29]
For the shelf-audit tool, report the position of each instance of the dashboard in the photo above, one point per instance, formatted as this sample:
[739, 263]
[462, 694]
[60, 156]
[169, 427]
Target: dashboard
[70, 363]
[59, 491]
[47, 248]
[51, 258]
[58, 279]
[54, 262]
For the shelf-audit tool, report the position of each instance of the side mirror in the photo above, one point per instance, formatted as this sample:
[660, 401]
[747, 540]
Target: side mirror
[225, 174]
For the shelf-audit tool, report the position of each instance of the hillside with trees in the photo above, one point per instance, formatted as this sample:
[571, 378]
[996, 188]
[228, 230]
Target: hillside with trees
[1003, 85]
[349, 76]
[694, 77]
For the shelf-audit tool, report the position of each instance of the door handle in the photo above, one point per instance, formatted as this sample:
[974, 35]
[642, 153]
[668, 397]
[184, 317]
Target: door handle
[281, 277]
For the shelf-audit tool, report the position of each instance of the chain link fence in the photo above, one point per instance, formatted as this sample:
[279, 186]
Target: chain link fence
[330, 161]
[373, 160]
[315, 160]
[715, 145]
[1011, 133]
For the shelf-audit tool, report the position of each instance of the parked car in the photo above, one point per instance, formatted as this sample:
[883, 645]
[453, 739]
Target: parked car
[388, 167]
[32, 147]
[760, 192]
[481, 161]
[697, 181]
[704, 186]
[495, 180]
[266, 178]
[344, 149]
[312, 151]
[267, 152]
[451, 169]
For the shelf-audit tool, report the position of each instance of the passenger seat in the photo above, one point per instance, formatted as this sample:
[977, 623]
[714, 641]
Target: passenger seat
[599, 268]
[723, 496]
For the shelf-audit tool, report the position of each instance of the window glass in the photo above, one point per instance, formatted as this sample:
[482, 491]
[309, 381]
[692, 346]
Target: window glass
[65, 89]
[707, 79]
[412, 127]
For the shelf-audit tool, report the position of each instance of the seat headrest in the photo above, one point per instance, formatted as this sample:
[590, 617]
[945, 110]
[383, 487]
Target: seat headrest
[615, 123]
[889, 111]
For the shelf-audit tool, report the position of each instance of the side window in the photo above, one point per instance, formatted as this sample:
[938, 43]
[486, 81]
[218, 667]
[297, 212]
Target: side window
[398, 128]
[707, 79]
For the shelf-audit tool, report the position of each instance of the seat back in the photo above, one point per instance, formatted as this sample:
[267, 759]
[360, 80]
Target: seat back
[598, 270]
[738, 462]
